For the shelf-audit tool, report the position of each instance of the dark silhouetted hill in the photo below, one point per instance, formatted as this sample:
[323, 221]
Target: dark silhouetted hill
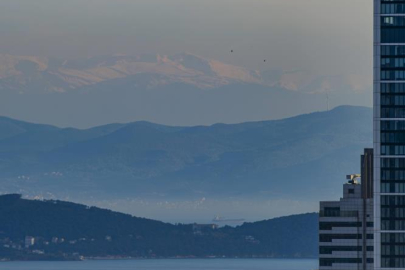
[64, 230]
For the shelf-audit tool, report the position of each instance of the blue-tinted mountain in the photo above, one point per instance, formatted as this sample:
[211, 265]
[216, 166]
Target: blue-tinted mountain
[304, 157]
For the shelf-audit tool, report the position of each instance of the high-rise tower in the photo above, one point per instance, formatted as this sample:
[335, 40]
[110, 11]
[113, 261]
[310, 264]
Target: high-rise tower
[389, 134]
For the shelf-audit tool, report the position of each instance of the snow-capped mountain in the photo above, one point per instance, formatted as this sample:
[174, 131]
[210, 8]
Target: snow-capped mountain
[31, 73]
[55, 75]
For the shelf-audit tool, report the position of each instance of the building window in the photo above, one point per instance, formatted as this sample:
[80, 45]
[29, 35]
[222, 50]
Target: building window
[392, 163]
[331, 261]
[397, 8]
[392, 88]
[393, 250]
[335, 224]
[331, 249]
[332, 211]
[330, 237]
[389, 150]
[389, 125]
[392, 187]
[389, 112]
[391, 100]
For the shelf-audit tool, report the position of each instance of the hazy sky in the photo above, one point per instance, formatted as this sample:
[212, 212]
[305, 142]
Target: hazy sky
[327, 36]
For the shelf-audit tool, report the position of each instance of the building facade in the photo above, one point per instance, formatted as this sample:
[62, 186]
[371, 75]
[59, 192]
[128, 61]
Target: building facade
[346, 226]
[389, 134]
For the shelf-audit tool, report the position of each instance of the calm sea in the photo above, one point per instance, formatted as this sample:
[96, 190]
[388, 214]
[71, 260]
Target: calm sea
[195, 264]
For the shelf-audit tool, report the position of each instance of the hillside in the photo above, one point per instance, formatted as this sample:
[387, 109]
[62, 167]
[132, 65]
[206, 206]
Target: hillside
[140, 164]
[64, 230]
[206, 157]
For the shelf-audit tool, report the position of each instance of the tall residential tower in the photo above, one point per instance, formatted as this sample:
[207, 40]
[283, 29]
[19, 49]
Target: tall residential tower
[389, 134]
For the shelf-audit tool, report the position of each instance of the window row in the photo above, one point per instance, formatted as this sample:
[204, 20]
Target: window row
[393, 188]
[392, 112]
[392, 21]
[392, 200]
[393, 213]
[392, 88]
[331, 261]
[392, 175]
[392, 125]
[331, 212]
[393, 137]
[392, 262]
[330, 237]
[323, 213]
[392, 8]
[393, 75]
[392, 100]
[392, 238]
[392, 150]
[393, 35]
[330, 225]
[331, 249]
[392, 162]
[392, 50]
[392, 62]
[391, 225]
[393, 250]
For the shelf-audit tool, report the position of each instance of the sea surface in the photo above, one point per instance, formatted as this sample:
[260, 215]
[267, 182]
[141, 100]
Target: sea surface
[183, 264]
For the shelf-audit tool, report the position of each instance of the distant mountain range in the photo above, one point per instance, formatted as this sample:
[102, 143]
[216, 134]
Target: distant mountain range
[42, 74]
[182, 89]
[303, 158]
[26, 73]
[67, 231]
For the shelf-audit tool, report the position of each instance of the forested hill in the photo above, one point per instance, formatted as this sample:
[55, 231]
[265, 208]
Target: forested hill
[63, 230]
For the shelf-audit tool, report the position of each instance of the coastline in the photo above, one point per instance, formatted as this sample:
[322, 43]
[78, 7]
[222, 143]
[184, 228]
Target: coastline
[121, 258]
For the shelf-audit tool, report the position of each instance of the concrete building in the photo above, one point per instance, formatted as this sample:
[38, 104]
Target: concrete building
[389, 134]
[346, 226]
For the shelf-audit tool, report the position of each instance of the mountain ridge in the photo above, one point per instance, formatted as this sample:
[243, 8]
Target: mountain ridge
[32, 73]
[64, 75]
[149, 167]
[338, 108]
[185, 96]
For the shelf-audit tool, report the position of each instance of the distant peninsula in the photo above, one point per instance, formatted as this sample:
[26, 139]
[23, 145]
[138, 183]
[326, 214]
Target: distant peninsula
[57, 230]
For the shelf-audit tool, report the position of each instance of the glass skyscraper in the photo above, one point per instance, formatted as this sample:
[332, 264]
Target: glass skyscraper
[389, 134]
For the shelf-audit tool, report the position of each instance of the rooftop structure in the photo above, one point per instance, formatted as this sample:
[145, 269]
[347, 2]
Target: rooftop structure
[346, 226]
